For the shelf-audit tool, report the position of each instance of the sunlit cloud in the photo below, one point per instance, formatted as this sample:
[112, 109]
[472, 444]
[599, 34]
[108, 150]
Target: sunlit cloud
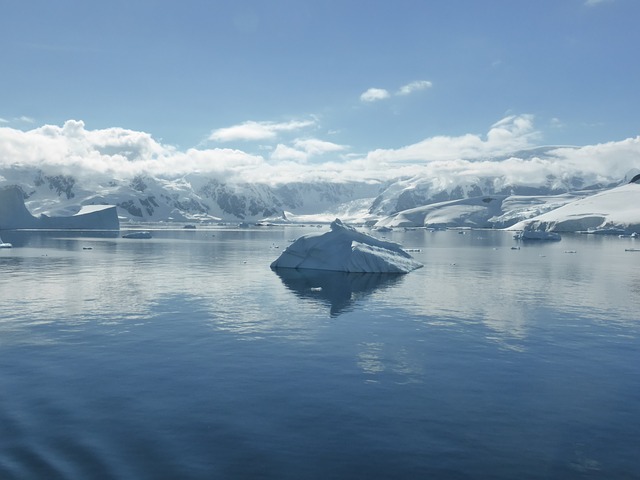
[414, 87]
[314, 146]
[304, 149]
[374, 95]
[508, 135]
[115, 153]
[286, 153]
[3, 120]
[255, 131]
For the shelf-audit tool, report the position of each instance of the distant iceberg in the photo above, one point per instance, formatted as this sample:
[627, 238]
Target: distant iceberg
[5, 244]
[344, 249]
[537, 235]
[137, 235]
[15, 215]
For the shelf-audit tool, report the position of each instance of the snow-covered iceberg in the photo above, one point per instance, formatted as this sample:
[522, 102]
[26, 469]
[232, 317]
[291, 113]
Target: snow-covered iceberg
[5, 244]
[14, 215]
[344, 249]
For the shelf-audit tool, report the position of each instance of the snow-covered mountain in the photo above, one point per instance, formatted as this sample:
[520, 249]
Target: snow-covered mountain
[465, 199]
[608, 209]
[415, 192]
[189, 198]
[615, 208]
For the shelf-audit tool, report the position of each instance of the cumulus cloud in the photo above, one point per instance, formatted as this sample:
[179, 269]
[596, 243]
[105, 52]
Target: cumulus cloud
[374, 95]
[508, 135]
[255, 131]
[286, 153]
[117, 153]
[409, 88]
[113, 152]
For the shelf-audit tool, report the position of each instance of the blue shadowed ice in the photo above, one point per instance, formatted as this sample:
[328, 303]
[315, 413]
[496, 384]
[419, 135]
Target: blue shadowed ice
[344, 249]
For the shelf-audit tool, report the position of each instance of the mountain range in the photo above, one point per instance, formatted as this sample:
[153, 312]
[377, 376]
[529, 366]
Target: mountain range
[481, 201]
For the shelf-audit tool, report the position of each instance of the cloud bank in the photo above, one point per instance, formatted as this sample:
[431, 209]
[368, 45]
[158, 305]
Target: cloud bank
[120, 153]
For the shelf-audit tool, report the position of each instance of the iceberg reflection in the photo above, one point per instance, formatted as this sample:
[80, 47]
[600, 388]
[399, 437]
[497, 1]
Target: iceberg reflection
[337, 289]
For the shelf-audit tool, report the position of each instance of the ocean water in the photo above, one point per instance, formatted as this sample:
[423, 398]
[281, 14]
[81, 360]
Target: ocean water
[185, 357]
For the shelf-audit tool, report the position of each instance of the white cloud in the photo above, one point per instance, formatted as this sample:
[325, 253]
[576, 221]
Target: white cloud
[120, 153]
[285, 153]
[414, 87]
[374, 95]
[313, 146]
[22, 119]
[377, 94]
[508, 135]
[304, 149]
[113, 152]
[592, 3]
[253, 131]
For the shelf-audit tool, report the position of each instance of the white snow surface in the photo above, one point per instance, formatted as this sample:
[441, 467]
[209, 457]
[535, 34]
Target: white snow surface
[344, 249]
[488, 211]
[618, 207]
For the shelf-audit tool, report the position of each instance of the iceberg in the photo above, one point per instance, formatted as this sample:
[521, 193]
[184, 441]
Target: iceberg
[344, 249]
[5, 244]
[537, 235]
[137, 235]
[14, 215]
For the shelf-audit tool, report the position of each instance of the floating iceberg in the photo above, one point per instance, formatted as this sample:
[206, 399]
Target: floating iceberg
[14, 215]
[537, 235]
[5, 244]
[137, 235]
[344, 249]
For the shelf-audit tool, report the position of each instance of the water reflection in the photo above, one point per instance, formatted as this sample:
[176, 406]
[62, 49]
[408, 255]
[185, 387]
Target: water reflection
[40, 238]
[337, 289]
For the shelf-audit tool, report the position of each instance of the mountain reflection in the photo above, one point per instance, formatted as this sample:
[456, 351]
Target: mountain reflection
[337, 289]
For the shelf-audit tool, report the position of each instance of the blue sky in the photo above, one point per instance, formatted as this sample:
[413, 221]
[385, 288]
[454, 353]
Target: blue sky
[297, 80]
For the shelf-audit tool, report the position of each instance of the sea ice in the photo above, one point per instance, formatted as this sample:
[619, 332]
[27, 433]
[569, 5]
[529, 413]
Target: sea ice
[344, 249]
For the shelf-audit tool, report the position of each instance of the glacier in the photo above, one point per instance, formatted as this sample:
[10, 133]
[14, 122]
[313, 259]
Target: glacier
[15, 215]
[618, 207]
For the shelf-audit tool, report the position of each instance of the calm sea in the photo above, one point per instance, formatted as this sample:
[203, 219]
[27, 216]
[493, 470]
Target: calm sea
[185, 357]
